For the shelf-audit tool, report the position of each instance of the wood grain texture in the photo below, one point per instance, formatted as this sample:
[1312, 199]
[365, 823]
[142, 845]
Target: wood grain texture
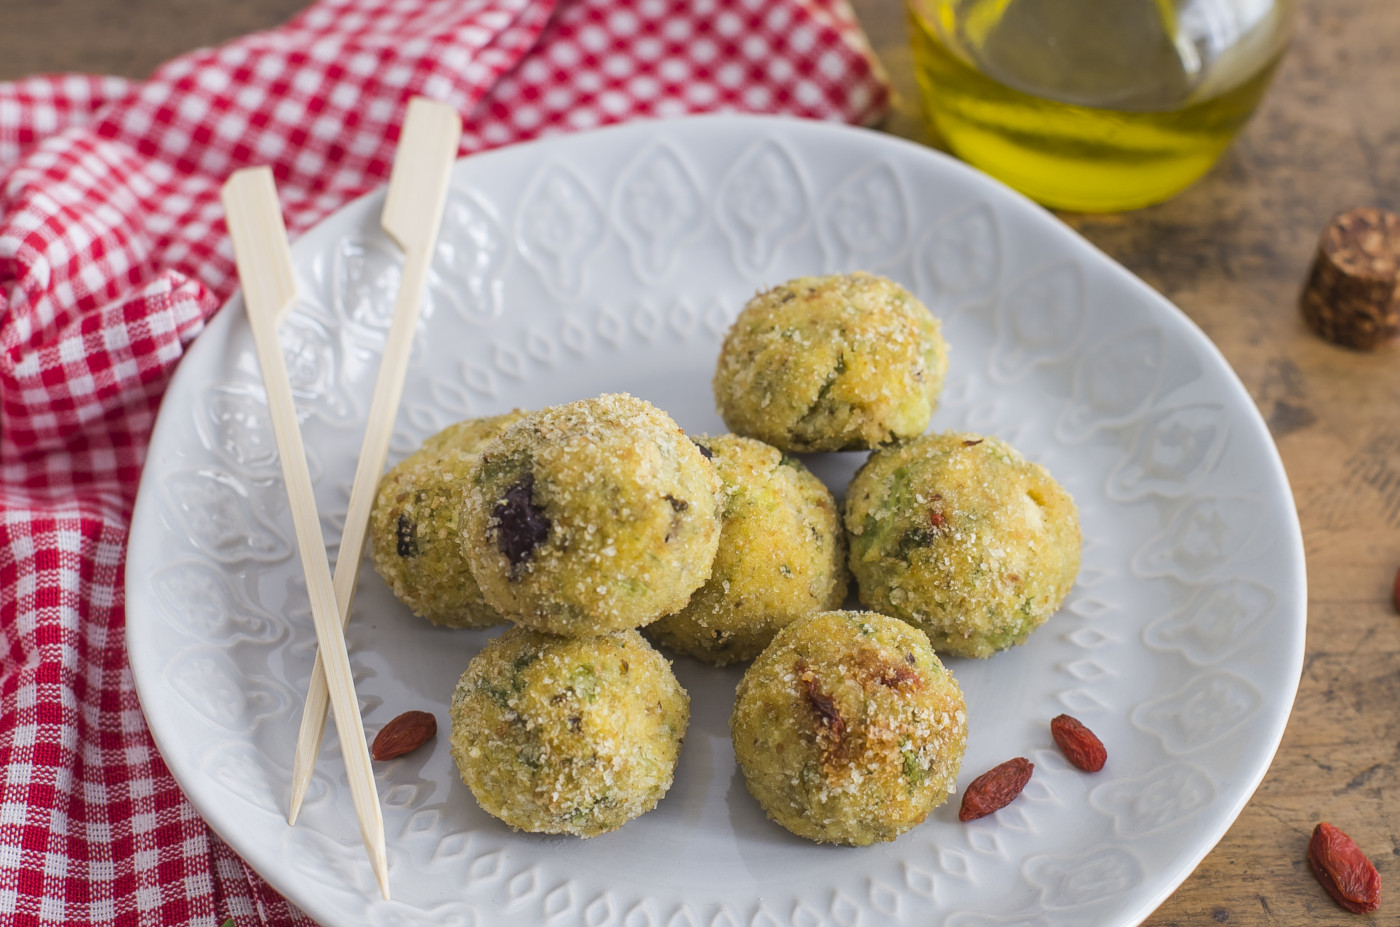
[1232, 252]
[129, 38]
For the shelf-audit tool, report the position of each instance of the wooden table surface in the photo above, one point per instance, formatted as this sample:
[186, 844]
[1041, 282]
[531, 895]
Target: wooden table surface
[1231, 252]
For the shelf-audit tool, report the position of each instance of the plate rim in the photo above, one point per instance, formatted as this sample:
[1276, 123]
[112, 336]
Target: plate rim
[1292, 585]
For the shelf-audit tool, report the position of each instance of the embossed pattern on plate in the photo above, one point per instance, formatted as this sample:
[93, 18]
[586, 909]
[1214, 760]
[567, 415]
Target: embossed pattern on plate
[615, 261]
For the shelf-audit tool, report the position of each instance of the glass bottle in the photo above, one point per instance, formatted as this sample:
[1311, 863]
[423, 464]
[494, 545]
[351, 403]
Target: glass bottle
[1095, 105]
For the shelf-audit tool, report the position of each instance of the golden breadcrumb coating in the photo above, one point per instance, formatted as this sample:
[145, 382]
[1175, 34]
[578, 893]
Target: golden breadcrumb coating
[415, 526]
[591, 517]
[961, 536]
[848, 729]
[831, 363]
[568, 735]
[782, 555]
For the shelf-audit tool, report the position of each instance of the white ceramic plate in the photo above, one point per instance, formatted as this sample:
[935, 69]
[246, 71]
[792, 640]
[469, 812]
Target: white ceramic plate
[614, 261]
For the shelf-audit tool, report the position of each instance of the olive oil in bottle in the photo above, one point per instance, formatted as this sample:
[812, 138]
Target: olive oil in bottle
[1094, 105]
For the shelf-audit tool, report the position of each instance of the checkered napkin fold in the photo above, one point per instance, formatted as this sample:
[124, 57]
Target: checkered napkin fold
[113, 255]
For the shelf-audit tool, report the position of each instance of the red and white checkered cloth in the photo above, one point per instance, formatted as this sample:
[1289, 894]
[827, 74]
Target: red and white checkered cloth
[113, 254]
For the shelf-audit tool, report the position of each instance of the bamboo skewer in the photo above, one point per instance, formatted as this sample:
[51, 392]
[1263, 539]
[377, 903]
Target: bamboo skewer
[269, 288]
[412, 214]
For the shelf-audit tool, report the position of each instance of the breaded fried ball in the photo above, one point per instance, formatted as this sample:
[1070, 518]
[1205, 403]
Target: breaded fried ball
[961, 536]
[848, 729]
[831, 363]
[416, 522]
[591, 517]
[782, 555]
[562, 735]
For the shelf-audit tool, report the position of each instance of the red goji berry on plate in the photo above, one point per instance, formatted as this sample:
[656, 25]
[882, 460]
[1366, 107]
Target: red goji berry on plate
[1079, 744]
[995, 788]
[1343, 870]
[403, 734]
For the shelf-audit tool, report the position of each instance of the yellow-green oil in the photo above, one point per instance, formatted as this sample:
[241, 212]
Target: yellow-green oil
[1110, 119]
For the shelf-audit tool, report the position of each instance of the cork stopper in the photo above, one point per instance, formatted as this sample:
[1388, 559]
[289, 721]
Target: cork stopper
[1352, 297]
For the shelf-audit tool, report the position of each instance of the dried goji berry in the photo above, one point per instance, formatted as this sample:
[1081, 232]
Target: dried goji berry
[403, 734]
[1343, 870]
[995, 788]
[1078, 743]
[1396, 590]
